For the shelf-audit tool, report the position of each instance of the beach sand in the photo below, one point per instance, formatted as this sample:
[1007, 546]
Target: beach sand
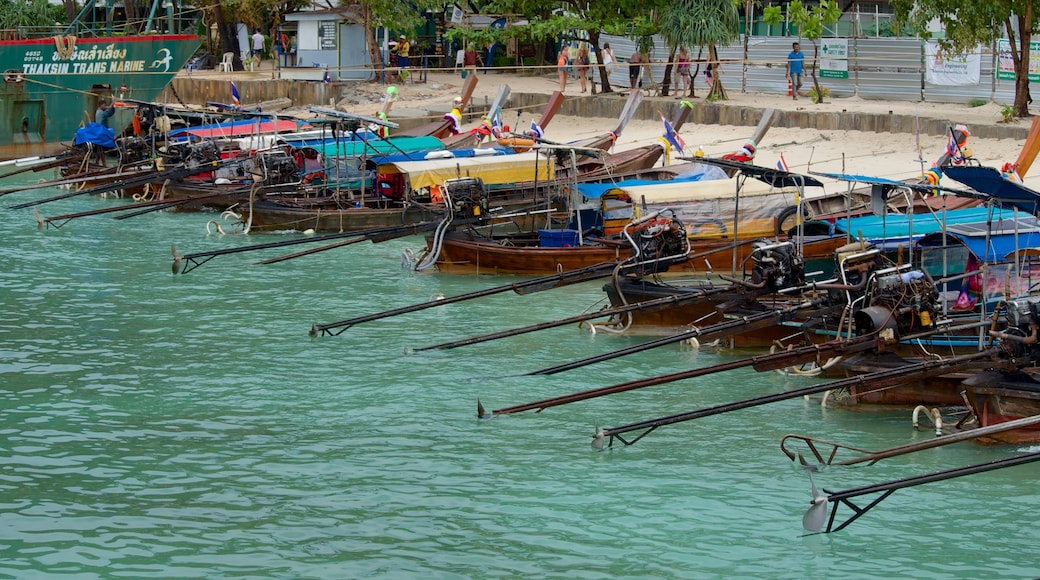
[889, 155]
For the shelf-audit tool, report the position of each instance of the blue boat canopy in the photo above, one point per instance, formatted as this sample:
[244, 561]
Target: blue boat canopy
[993, 183]
[1004, 237]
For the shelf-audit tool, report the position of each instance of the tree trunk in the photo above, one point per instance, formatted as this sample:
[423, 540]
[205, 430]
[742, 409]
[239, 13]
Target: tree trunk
[604, 81]
[717, 91]
[70, 9]
[812, 73]
[1020, 56]
[228, 38]
[665, 90]
[374, 52]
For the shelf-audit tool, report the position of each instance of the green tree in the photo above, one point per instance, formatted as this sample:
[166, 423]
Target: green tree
[15, 13]
[810, 23]
[395, 14]
[569, 20]
[701, 23]
[970, 24]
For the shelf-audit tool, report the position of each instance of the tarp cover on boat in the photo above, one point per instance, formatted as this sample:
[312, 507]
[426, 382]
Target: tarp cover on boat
[519, 168]
[379, 147]
[241, 128]
[991, 182]
[892, 231]
[97, 134]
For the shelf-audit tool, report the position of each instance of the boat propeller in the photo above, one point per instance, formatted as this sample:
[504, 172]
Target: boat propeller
[816, 515]
[598, 439]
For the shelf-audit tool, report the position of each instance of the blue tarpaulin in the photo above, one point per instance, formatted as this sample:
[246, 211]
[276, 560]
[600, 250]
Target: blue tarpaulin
[97, 134]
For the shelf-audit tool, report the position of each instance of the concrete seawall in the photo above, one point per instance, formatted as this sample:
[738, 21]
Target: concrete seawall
[303, 94]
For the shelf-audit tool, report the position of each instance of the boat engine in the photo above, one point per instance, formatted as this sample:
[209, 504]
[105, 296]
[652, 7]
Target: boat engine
[191, 154]
[279, 167]
[468, 196]
[777, 266]
[1023, 319]
[905, 301]
[133, 149]
[658, 243]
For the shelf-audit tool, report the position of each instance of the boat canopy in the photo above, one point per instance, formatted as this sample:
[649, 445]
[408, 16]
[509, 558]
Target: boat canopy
[377, 148]
[892, 231]
[242, 128]
[519, 168]
[1005, 237]
[993, 183]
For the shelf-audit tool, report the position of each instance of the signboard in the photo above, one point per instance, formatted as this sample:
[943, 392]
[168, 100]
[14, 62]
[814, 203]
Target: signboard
[456, 15]
[834, 58]
[951, 70]
[327, 35]
[1006, 66]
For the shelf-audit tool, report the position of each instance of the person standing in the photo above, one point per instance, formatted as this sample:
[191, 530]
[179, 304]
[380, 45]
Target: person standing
[258, 45]
[470, 58]
[561, 68]
[635, 64]
[795, 69]
[682, 72]
[103, 113]
[403, 49]
[583, 64]
[609, 59]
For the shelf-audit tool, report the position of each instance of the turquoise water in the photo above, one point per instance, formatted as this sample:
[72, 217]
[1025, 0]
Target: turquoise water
[188, 426]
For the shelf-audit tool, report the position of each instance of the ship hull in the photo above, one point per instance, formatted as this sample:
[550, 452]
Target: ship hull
[51, 86]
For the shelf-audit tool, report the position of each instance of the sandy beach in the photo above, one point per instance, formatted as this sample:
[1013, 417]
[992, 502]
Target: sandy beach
[890, 155]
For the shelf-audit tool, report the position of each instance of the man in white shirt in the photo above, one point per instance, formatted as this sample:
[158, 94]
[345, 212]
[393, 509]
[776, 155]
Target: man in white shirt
[258, 44]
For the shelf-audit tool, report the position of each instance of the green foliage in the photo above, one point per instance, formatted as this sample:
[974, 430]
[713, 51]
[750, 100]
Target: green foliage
[576, 20]
[692, 23]
[810, 21]
[977, 102]
[815, 97]
[1007, 113]
[969, 24]
[15, 13]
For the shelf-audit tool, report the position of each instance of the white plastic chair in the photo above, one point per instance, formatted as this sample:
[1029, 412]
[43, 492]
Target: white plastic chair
[227, 64]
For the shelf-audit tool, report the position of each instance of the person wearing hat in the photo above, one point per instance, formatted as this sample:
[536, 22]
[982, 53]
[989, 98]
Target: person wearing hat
[103, 113]
[403, 49]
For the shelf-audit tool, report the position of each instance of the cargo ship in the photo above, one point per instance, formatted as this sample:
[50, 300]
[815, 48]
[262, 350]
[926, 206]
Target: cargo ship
[54, 77]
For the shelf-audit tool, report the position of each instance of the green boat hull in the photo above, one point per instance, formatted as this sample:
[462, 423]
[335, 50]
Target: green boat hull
[51, 85]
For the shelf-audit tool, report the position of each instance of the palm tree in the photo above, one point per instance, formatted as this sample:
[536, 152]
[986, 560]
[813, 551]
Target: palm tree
[702, 23]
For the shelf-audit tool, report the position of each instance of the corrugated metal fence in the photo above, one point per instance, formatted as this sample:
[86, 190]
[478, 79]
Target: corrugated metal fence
[879, 68]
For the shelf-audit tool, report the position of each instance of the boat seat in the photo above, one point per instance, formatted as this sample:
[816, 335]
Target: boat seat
[227, 63]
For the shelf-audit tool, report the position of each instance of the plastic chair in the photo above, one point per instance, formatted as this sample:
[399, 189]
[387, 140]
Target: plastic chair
[460, 57]
[227, 64]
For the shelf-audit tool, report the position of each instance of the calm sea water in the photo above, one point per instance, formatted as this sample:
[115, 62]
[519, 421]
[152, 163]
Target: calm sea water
[187, 426]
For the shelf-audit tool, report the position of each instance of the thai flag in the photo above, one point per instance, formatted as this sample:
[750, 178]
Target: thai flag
[235, 99]
[782, 164]
[673, 137]
[536, 131]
